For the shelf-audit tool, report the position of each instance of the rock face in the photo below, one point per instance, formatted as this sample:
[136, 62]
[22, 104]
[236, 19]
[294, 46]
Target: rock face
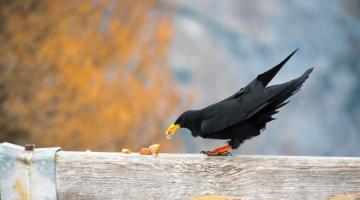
[219, 47]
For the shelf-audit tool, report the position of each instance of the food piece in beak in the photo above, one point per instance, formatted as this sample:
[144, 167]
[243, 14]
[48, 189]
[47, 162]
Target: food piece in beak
[171, 130]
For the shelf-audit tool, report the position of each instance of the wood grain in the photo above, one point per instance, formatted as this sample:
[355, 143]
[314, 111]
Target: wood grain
[94, 175]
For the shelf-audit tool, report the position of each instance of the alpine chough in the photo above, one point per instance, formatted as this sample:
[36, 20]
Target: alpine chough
[242, 115]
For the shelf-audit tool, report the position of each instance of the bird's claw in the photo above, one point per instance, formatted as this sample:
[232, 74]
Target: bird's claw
[212, 153]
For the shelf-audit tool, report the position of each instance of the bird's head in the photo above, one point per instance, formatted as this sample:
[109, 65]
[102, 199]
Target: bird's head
[185, 120]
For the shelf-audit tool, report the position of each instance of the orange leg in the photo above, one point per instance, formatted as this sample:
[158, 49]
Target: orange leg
[221, 151]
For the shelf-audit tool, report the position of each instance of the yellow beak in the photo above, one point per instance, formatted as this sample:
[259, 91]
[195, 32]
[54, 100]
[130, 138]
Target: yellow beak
[171, 130]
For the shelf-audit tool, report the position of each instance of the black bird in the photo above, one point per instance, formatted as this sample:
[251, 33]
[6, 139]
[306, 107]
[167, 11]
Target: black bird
[242, 115]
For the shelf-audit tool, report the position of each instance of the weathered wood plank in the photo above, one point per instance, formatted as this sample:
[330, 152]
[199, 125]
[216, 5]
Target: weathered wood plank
[173, 176]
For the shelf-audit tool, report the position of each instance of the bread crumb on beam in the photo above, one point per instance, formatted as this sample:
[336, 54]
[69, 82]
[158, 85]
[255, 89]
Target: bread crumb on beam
[155, 149]
[145, 151]
[125, 150]
[151, 150]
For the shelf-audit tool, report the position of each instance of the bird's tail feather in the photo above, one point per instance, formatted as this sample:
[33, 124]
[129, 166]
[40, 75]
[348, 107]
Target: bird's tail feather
[265, 115]
[267, 76]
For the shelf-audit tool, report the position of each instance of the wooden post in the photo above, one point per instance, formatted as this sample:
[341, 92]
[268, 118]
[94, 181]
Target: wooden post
[91, 175]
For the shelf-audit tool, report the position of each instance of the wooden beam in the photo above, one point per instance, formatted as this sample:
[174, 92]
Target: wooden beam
[94, 175]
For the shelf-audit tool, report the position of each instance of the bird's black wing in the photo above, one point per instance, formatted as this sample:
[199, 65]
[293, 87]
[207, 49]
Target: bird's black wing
[243, 104]
[223, 114]
[267, 76]
[265, 115]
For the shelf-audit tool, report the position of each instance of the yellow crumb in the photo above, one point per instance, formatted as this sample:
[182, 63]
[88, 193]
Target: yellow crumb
[125, 150]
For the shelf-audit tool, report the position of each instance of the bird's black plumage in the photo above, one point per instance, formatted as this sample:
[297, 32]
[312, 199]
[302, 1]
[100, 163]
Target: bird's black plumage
[244, 114]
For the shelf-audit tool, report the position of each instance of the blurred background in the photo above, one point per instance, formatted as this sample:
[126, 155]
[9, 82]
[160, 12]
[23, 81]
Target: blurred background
[103, 75]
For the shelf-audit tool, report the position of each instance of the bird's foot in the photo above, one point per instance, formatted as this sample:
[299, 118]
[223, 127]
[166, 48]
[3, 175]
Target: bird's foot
[209, 153]
[222, 151]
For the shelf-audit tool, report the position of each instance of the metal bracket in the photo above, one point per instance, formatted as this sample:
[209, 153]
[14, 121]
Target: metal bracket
[27, 174]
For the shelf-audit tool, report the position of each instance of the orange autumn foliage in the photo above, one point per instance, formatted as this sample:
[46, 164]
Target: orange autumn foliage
[85, 74]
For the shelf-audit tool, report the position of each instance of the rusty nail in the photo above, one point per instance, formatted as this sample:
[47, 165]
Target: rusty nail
[29, 147]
